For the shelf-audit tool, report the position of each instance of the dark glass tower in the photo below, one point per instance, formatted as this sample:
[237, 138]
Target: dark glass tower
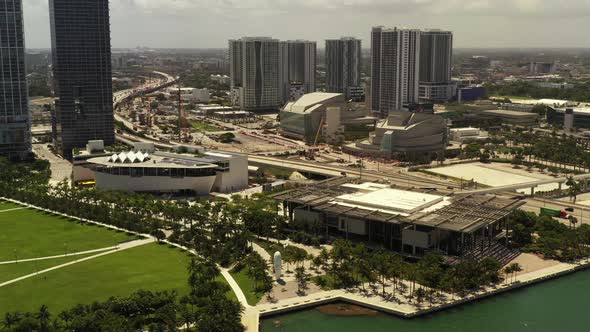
[81, 43]
[15, 127]
[343, 65]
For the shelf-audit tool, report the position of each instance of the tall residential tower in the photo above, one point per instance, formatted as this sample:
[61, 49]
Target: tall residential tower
[297, 68]
[15, 125]
[343, 67]
[436, 58]
[395, 69]
[81, 48]
[254, 72]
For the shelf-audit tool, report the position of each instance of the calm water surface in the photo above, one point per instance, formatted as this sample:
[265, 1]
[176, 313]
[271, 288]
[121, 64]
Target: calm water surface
[562, 305]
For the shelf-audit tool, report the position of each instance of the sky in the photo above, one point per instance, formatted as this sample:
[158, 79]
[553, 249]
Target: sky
[210, 23]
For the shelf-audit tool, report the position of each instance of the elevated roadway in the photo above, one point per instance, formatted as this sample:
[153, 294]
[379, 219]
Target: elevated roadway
[527, 185]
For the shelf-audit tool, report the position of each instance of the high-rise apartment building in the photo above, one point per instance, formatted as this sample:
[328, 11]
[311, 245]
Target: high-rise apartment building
[15, 125]
[436, 58]
[343, 67]
[395, 69]
[81, 48]
[254, 72]
[297, 68]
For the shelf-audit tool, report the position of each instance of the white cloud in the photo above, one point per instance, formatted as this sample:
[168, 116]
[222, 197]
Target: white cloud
[209, 23]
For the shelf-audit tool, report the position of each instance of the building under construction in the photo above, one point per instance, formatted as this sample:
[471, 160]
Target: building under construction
[412, 223]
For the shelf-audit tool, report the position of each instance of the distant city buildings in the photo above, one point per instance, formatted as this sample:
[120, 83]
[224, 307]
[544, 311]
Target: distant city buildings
[254, 73]
[343, 67]
[436, 59]
[395, 69]
[297, 68]
[15, 126]
[81, 48]
[541, 68]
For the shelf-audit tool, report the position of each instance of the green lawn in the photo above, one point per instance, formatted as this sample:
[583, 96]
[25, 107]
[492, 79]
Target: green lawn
[16, 270]
[200, 126]
[151, 267]
[8, 206]
[247, 286]
[30, 233]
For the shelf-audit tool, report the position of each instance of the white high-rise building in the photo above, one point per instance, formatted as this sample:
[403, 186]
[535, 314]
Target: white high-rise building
[395, 69]
[254, 72]
[343, 67]
[297, 69]
[436, 58]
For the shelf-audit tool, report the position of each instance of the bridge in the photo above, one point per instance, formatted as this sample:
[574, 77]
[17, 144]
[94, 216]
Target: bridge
[528, 185]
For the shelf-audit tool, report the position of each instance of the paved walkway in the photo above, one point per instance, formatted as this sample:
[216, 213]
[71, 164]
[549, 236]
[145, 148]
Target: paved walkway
[122, 247]
[235, 287]
[262, 252]
[20, 208]
[58, 256]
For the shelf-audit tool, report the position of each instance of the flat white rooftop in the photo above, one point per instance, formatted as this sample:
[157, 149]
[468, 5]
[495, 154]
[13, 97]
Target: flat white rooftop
[389, 199]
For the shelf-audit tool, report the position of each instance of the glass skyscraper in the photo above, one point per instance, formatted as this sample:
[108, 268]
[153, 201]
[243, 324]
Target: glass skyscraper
[15, 127]
[81, 48]
[343, 65]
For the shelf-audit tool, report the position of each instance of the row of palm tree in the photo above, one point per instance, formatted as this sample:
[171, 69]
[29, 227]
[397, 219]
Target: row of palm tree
[214, 229]
[353, 265]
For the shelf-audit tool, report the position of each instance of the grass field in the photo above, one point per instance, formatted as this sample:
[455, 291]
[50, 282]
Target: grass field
[247, 286]
[8, 206]
[28, 233]
[200, 126]
[151, 267]
[21, 269]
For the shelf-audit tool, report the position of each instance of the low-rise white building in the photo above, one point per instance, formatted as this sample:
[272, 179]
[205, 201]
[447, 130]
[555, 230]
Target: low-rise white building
[201, 96]
[463, 134]
[221, 79]
[147, 170]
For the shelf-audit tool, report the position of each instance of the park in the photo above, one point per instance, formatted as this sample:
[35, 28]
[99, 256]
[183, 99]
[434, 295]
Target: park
[64, 262]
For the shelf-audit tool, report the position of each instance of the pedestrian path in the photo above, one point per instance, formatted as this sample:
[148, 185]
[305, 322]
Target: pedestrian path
[58, 256]
[9, 210]
[261, 251]
[235, 287]
[122, 247]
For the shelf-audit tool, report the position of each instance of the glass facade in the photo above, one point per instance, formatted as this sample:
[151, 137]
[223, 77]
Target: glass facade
[81, 47]
[301, 124]
[138, 172]
[15, 127]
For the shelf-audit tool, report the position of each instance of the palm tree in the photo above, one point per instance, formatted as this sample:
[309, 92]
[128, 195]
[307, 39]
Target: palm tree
[11, 319]
[574, 188]
[516, 268]
[508, 270]
[301, 279]
[43, 316]
[382, 265]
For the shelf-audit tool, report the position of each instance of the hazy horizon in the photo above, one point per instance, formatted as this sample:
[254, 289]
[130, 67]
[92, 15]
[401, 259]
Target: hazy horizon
[208, 24]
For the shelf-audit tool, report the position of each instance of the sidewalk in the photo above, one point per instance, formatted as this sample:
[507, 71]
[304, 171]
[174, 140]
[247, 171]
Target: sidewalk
[122, 247]
[58, 256]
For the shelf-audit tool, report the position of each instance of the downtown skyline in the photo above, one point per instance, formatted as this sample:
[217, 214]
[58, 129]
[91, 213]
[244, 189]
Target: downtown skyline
[475, 24]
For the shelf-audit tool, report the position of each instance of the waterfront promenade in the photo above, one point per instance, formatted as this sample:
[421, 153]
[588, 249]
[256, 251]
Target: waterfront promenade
[402, 306]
